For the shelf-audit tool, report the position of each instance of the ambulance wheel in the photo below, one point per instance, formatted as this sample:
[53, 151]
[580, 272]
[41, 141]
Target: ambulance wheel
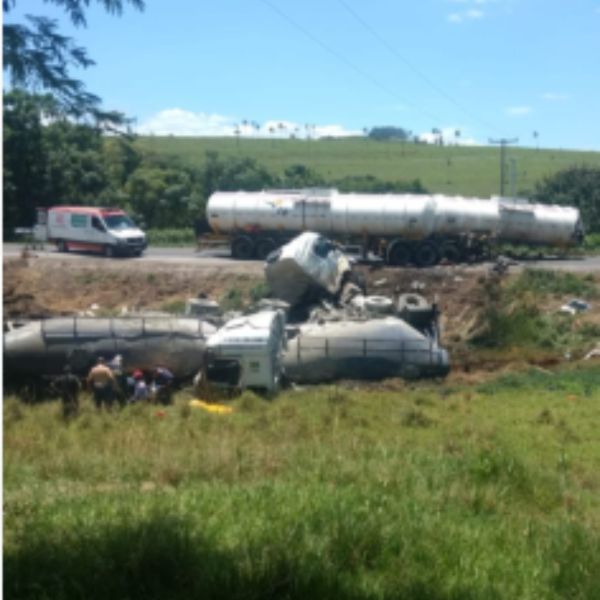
[61, 246]
[109, 251]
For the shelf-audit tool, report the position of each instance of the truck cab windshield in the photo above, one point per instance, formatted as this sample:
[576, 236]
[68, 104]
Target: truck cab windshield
[118, 221]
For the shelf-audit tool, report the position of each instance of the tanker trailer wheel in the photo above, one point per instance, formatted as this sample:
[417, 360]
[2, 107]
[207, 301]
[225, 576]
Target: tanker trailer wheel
[400, 254]
[242, 248]
[264, 247]
[450, 252]
[426, 255]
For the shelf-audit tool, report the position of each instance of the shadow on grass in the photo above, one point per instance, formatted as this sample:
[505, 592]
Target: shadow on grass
[159, 558]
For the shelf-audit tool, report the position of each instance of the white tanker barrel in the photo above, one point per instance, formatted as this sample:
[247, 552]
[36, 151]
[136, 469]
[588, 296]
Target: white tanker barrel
[540, 224]
[401, 219]
[44, 347]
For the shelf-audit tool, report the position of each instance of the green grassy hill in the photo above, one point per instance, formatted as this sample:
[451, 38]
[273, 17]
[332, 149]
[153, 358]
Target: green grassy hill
[471, 171]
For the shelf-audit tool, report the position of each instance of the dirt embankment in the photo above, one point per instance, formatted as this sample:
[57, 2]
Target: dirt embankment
[36, 288]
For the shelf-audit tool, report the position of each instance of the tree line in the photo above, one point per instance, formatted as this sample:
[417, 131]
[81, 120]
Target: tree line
[50, 159]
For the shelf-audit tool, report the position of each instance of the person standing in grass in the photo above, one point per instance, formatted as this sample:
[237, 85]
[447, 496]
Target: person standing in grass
[163, 386]
[141, 392]
[68, 386]
[102, 381]
[116, 366]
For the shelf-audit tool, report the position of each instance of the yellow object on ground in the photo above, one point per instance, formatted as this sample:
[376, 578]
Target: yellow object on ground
[215, 408]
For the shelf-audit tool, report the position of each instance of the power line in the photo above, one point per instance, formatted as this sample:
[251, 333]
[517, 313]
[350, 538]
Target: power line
[413, 68]
[349, 64]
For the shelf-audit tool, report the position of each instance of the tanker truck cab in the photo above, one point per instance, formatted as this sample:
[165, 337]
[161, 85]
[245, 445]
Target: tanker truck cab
[109, 231]
[247, 352]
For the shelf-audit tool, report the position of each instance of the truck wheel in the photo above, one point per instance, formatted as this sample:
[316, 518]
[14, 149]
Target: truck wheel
[426, 255]
[109, 251]
[450, 252]
[264, 248]
[411, 301]
[242, 248]
[379, 305]
[400, 254]
[61, 246]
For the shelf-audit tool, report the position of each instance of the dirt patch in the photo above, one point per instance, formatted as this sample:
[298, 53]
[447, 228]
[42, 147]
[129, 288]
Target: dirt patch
[35, 288]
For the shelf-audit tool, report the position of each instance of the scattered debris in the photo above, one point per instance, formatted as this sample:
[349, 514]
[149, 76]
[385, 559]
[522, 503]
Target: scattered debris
[574, 307]
[211, 407]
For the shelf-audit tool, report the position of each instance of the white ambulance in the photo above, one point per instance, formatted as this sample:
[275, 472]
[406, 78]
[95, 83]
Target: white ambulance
[108, 231]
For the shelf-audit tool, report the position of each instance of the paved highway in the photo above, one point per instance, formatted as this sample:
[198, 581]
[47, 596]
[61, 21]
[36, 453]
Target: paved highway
[222, 258]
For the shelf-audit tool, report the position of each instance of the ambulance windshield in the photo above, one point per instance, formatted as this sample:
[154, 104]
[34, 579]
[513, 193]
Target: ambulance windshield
[118, 222]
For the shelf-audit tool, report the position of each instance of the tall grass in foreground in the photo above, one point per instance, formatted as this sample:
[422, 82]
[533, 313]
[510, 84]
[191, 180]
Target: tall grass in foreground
[430, 492]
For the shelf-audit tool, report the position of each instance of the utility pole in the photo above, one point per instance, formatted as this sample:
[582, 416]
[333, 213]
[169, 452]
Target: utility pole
[503, 143]
[513, 177]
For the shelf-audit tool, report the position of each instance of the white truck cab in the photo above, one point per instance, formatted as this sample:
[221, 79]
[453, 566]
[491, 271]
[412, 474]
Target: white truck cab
[109, 231]
[247, 352]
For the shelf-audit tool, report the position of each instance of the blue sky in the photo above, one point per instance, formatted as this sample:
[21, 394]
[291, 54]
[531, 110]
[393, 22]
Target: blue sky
[488, 68]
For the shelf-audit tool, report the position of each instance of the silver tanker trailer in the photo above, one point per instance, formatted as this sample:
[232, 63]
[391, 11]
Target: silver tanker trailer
[400, 228]
[43, 348]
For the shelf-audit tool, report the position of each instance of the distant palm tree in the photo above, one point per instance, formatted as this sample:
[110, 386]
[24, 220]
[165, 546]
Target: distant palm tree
[237, 132]
[272, 132]
[456, 137]
[536, 135]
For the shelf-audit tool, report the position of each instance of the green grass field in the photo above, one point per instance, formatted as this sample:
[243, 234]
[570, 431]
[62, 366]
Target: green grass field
[471, 171]
[433, 492]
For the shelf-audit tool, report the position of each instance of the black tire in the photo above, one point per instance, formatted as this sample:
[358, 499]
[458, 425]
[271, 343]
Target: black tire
[61, 246]
[109, 251]
[426, 255]
[411, 301]
[450, 252]
[264, 248]
[400, 254]
[242, 248]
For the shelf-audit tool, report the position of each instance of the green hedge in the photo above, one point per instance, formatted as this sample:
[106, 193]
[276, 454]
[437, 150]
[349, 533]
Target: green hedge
[171, 237]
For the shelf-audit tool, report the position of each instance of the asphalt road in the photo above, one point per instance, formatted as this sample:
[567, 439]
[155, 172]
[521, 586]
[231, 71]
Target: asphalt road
[222, 258]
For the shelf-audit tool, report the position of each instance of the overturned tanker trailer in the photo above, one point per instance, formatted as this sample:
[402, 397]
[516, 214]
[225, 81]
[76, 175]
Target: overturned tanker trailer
[43, 348]
[364, 350]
